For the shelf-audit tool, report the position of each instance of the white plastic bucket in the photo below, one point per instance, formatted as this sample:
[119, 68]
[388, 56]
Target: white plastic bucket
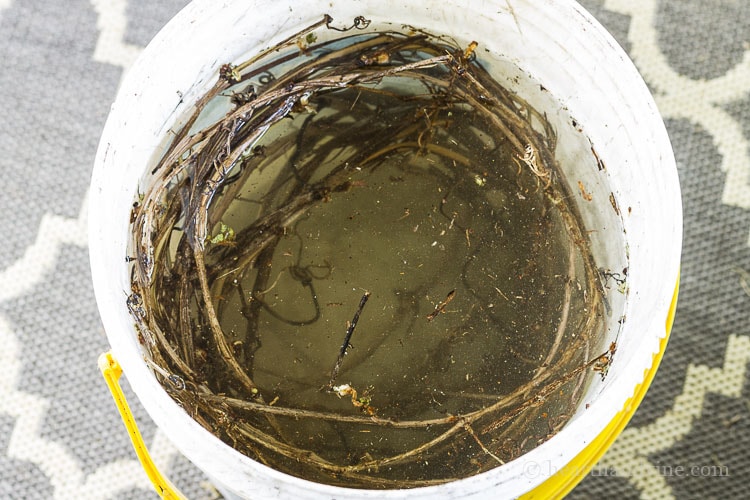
[637, 218]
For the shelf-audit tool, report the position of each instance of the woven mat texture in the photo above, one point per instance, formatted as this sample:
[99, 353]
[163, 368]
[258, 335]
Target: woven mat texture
[60, 437]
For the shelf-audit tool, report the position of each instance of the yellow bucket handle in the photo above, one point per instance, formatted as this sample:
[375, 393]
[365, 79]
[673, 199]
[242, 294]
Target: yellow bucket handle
[111, 371]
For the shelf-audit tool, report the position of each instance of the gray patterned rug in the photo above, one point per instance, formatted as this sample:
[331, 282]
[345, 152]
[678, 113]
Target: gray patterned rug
[60, 436]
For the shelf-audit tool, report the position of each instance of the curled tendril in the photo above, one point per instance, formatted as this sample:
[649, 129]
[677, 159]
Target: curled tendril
[266, 77]
[177, 382]
[360, 23]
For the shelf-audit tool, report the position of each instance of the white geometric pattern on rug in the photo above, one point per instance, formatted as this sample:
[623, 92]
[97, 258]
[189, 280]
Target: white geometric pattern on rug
[112, 22]
[25, 443]
[40, 257]
[699, 101]
[628, 455]
[53, 459]
[28, 410]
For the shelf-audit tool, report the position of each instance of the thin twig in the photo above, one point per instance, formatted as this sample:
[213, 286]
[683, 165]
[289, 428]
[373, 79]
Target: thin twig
[563, 325]
[473, 434]
[347, 341]
[441, 306]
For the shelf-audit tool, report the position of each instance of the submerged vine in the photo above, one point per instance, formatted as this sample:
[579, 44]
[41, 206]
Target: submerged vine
[309, 123]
